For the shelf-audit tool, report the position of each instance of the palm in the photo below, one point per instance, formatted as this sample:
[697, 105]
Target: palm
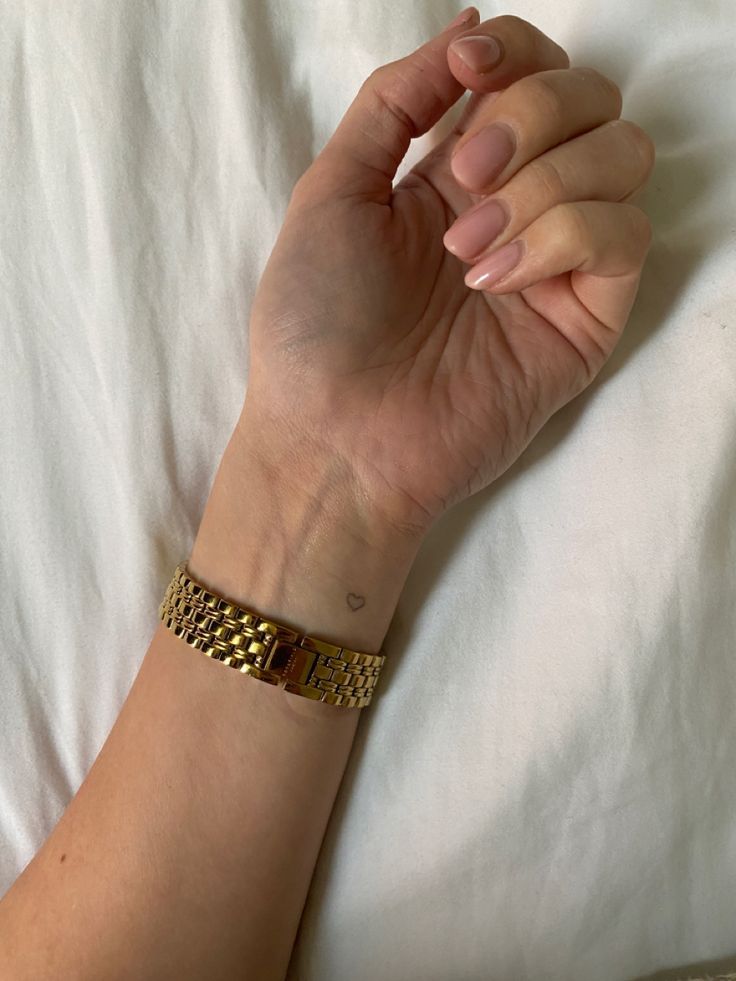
[489, 370]
[440, 387]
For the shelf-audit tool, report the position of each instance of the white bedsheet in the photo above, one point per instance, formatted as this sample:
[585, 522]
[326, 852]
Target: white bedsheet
[545, 785]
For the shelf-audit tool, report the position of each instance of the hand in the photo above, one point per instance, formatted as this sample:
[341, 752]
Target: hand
[373, 348]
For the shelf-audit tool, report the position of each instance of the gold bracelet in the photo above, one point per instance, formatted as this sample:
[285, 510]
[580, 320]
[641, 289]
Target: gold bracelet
[266, 650]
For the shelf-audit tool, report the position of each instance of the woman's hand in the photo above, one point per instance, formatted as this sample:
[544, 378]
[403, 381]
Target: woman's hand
[374, 350]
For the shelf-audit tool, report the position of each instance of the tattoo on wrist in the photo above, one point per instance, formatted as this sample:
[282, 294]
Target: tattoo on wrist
[355, 602]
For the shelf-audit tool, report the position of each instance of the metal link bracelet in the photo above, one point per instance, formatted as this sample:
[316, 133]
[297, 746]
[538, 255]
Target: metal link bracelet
[265, 650]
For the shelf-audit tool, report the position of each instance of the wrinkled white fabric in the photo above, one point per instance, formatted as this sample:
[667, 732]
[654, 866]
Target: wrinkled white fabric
[544, 785]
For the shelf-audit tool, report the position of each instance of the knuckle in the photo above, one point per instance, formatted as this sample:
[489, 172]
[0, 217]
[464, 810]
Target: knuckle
[370, 82]
[571, 223]
[378, 83]
[606, 85]
[547, 99]
[301, 189]
[377, 78]
[381, 92]
[544, 175]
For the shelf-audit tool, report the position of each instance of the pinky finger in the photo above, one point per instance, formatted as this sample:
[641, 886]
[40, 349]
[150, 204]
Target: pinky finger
[602, 244]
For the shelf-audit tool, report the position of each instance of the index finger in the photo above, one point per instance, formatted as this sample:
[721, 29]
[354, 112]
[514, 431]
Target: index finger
[500, 51]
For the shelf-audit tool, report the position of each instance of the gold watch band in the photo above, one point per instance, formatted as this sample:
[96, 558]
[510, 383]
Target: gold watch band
[266, 650]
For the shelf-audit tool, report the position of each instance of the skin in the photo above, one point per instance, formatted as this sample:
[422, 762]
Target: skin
[365, 339]
[382, 391]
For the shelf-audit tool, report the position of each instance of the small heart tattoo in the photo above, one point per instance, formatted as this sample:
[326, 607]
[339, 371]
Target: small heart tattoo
[355, 602]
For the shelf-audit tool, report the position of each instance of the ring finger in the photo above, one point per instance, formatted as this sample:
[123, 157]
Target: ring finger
[609, 164]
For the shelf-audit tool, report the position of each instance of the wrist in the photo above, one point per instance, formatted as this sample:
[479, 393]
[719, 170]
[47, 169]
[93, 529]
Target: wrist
[287, 534]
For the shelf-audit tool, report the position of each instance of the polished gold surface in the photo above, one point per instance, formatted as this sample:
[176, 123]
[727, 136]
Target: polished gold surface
[266, 650]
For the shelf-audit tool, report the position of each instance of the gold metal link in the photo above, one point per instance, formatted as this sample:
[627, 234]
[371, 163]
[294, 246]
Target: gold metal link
[326, 685]
[266, 650]
[322, 647]
[314, 693]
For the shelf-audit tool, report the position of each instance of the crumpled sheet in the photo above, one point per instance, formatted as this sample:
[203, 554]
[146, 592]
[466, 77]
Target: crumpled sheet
[544, 786]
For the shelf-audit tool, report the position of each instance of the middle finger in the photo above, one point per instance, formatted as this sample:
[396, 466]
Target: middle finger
[534, 114]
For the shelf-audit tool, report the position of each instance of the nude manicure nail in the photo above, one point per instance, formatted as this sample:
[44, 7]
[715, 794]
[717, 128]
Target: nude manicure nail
[495, 267]
[482, 158]
[474, 231]
[480, 52]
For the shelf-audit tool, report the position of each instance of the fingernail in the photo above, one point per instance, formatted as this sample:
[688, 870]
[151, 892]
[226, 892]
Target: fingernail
[462, 18]
[475, 230]
[495, 267]
[482, 158]
[480, 52]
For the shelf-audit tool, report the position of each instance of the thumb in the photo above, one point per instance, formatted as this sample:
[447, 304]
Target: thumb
[398, 102]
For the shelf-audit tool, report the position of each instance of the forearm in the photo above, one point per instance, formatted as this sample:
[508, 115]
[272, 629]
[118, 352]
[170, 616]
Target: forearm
[189, 849]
